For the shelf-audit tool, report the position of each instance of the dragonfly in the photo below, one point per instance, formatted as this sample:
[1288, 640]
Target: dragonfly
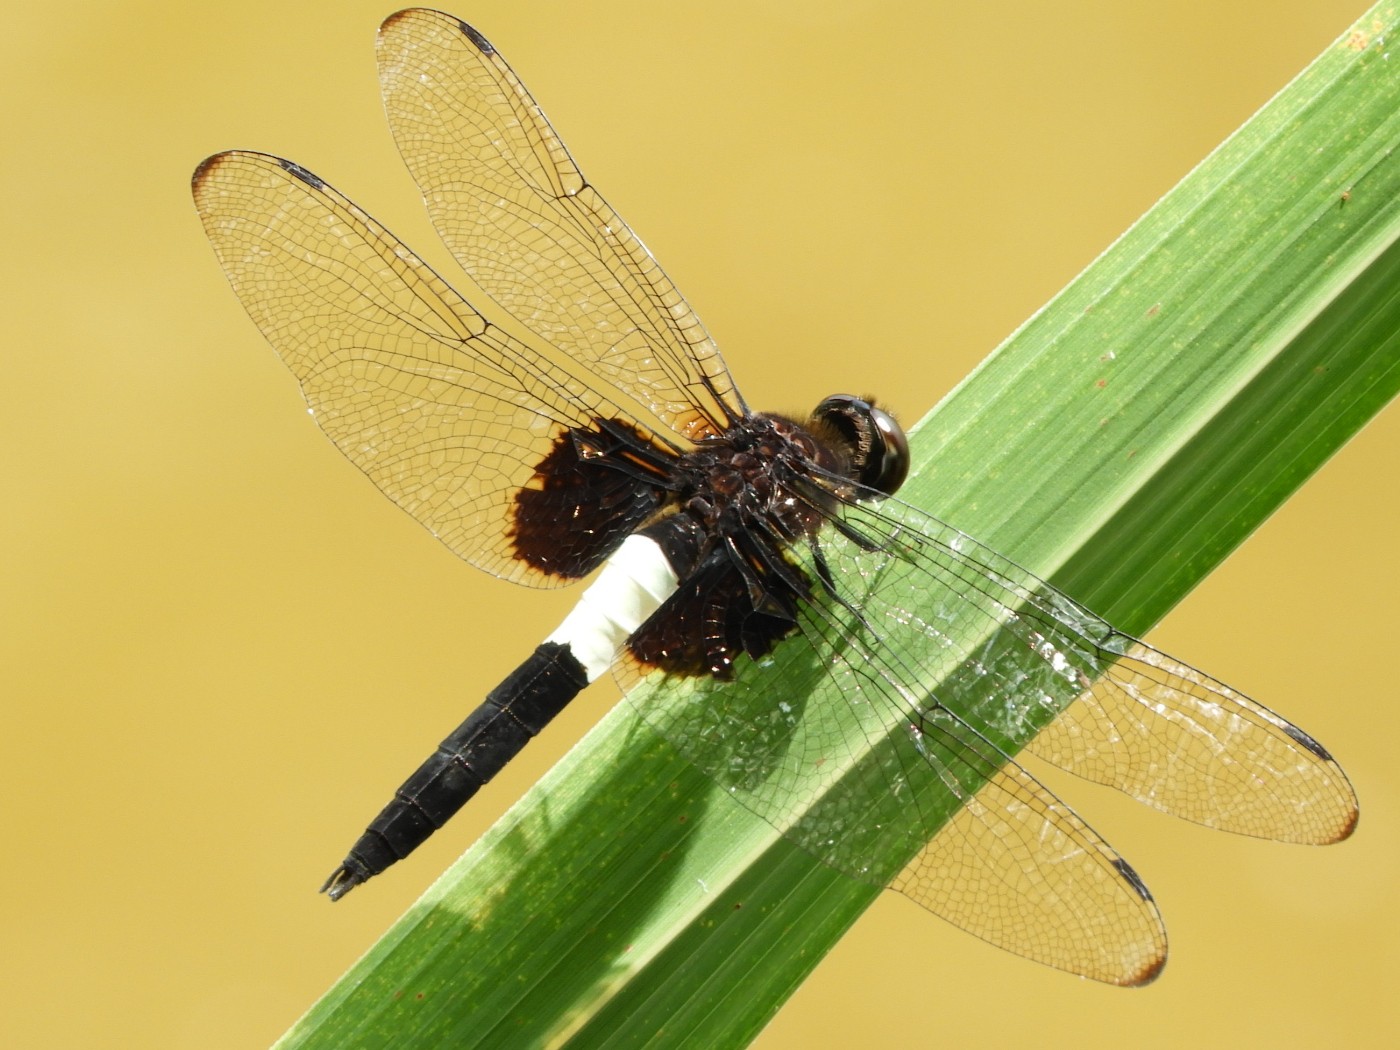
[739, 554]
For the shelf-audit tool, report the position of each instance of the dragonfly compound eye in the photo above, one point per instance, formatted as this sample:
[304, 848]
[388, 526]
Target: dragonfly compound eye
[878, 447]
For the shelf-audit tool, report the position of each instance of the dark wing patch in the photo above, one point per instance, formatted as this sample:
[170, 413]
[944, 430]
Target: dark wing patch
[596, 486]
[732, 604]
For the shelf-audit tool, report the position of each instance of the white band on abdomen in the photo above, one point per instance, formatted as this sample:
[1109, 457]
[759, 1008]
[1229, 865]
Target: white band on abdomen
[633, 584]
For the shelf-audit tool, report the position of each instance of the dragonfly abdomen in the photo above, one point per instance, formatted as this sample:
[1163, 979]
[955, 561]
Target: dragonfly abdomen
[633, 584]
[478, 749]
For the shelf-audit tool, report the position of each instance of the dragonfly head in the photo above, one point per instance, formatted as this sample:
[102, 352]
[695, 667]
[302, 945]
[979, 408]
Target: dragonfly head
[878, 448]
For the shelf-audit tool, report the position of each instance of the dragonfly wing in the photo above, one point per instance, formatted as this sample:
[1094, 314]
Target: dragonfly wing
[1181, 742]
[518, 215]
[448, 414]
[1021, 870]
[1031, 667]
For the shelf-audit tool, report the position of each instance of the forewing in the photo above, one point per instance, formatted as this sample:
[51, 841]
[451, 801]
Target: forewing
[1031, 667]
[516, 212]
[449, 415]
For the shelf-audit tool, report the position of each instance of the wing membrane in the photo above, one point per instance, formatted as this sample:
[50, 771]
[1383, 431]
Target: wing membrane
[518, 215]
[1009, 862]
[446, 413]
[1021, 870]
[1126, 715]
[1186, 744]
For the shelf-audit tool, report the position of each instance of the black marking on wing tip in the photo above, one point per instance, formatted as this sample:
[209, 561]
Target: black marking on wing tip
[482, 44]
[1133, 879]
[301, 173]
[1308, 742]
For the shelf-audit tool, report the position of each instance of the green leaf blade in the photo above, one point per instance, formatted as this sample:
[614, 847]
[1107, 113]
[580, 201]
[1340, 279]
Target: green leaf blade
[1122, 442]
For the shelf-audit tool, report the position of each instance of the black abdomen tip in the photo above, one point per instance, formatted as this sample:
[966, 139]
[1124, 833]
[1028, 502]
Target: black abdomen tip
[344, 879]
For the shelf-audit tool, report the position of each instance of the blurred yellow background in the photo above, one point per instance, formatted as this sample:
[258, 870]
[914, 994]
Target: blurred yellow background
[221, 648]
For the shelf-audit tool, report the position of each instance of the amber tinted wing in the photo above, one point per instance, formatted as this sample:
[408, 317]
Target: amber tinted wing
[1124, 714]
[517, 213]
[938, 662]
[449, 415]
